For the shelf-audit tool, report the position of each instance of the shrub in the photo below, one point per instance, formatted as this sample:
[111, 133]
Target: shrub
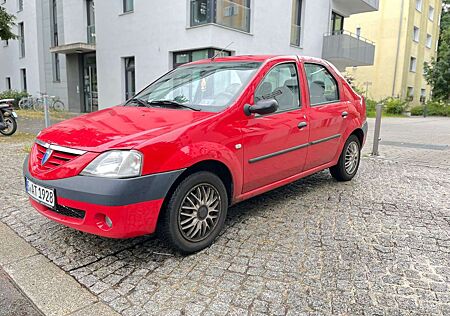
[395, 106]
[13, 94]
[417, 110]
[434, 108]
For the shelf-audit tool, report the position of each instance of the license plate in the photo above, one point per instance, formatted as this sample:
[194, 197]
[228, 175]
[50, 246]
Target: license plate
[14, 114]
[42, 195]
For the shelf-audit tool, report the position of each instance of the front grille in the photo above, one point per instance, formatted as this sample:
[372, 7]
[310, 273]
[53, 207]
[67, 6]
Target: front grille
[68, 211]
[57, 158]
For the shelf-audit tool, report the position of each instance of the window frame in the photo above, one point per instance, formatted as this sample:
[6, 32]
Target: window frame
[416, 34]
[338, 85]
[19, 5]
[429, 41]
[127, 70]
[419, 8]
[300, 104]
[334, 16]
[8, 83]
[124, 6]
[23, 79]
[413, 62]
[211, 53]
[21, 37]
[431, 11]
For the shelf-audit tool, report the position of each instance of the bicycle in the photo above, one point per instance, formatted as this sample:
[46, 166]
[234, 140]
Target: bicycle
[37, 103]
[54, 104]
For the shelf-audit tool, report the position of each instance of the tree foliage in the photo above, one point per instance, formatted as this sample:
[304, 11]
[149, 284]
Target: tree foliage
[6, 24]
[437, 72]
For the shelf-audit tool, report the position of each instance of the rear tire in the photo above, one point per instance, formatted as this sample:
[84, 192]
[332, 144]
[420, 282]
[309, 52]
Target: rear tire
[195, 213]
[348, 163]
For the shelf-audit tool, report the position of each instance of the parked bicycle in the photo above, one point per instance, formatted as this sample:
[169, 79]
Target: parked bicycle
[37, 103]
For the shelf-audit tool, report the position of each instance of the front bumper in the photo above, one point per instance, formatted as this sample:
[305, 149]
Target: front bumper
[82, 202]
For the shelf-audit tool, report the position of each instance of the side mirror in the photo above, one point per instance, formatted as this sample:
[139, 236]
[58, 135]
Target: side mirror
[261, 107]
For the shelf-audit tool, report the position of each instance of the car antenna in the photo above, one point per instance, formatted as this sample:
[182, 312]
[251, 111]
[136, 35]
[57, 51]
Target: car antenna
[221, 51]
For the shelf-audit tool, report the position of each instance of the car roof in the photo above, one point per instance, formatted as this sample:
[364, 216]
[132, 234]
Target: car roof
[257, 58]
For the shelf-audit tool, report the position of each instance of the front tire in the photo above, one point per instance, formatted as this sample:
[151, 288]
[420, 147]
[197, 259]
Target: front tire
[195, 213]
[348, 163]
[11, 126]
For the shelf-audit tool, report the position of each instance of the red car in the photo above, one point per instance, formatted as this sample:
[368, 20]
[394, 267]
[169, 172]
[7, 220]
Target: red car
[204, 136]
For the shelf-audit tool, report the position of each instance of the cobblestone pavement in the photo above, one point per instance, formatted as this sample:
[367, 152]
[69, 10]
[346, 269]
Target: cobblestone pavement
[379, 245]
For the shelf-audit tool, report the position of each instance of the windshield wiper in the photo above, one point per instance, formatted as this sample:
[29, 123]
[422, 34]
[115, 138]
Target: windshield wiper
[138, 101]
[174, 104]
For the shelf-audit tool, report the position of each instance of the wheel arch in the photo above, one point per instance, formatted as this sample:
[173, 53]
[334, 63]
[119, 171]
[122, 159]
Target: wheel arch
[360, 134]
[213, 166]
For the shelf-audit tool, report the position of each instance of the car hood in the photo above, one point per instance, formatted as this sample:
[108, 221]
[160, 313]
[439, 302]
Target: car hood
[120, 127]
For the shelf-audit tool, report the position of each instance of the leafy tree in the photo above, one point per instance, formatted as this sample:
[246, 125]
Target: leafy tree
[6, 23]
[437, 73]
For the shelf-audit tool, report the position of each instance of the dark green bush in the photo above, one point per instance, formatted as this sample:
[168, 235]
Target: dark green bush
[432, 108]
[13, 94]
[417, 110]
[395, 106]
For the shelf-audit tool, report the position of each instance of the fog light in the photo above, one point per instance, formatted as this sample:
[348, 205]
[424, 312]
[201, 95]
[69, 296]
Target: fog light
[108, 221]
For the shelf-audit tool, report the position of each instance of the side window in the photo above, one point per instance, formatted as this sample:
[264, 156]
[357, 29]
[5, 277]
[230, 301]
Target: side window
[323, 88]
[281, 84]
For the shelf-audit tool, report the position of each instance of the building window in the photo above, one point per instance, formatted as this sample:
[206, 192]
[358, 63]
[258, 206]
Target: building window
[234, 14]
[410, 94]
[130, 77]
[23, 79]
[358, 32]
[19, 5]
[128, 6]
[423, 95]
[416, 34]
[8, 83]
[5, 43]
[413, 64]
[429, 41]
[296, 28]
[419, 5]
[180, 58]
[21, 40]
[337, 23]
[56, 68]
[91, 36]
[431, 13]
[54, 17]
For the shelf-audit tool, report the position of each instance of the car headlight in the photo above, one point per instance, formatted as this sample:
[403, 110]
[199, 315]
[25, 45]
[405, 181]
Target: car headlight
[115, 164]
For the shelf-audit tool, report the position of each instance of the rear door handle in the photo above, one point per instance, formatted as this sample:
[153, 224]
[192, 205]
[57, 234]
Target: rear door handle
[302, 125]
[344, 114]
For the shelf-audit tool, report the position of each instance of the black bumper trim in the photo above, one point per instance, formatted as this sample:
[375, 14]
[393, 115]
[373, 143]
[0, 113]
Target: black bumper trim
[365, 128]
[110, 192]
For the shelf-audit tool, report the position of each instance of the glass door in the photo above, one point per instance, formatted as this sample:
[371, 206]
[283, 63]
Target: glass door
[90, 83]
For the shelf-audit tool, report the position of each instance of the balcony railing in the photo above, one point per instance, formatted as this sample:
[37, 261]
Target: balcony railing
[296, 35]
[91, 39]
[345, 49]
[231, 14]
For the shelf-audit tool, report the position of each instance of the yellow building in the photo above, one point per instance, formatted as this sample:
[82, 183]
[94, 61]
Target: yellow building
[406, 34]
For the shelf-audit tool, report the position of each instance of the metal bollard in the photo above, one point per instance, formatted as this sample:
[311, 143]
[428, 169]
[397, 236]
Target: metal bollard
[376, 136]
[46, 112]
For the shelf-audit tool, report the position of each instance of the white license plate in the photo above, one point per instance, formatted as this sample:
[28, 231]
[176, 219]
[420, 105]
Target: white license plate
[43, 195]
[14, 114]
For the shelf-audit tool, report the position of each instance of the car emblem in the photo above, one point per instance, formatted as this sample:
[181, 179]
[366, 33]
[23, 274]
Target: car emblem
[46, 156]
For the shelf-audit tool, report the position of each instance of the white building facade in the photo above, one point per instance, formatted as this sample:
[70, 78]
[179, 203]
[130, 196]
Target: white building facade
[97, 54]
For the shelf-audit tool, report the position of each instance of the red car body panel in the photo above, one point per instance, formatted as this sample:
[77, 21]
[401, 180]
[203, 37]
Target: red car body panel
[175, 140]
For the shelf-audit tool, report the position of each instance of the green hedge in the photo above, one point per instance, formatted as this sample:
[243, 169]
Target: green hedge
[433, 109]
[13, 94]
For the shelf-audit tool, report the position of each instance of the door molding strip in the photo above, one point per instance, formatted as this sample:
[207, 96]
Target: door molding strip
[288, 150]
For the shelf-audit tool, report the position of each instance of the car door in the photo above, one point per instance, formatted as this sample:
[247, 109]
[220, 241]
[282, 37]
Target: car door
[275, 145]
[327, 115]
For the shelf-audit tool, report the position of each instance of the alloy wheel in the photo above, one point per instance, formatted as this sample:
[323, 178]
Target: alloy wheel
[199, 212]
[351, 158]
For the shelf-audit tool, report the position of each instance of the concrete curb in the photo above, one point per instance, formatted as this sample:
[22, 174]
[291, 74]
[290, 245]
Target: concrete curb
[51, 289]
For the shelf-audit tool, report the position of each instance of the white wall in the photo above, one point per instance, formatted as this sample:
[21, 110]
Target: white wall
[10, 62]
[152, 31]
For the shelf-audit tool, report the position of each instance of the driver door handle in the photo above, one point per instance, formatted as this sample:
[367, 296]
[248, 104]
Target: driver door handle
[344, 114]
[302, 125]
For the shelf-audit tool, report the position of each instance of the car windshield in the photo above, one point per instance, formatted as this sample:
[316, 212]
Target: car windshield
[210, 87]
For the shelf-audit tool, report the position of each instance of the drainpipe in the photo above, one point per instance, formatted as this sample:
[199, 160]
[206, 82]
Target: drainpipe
[398, 48]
